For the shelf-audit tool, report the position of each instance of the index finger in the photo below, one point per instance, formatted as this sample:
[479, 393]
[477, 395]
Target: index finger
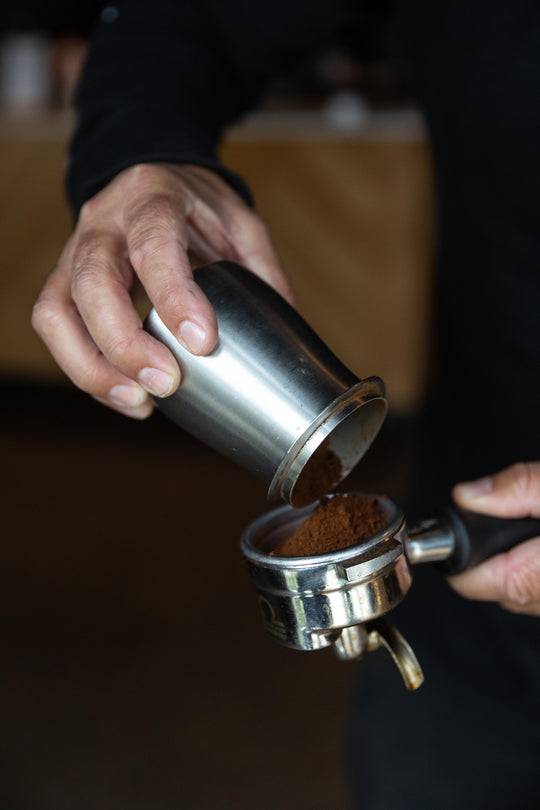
[157, 240]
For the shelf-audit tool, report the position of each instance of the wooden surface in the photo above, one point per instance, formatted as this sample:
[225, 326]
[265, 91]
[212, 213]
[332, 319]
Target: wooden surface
[351, 215]
[34, 224]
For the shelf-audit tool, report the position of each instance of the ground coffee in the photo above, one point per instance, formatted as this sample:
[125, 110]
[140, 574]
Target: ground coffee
[336, 522]
[321, 474]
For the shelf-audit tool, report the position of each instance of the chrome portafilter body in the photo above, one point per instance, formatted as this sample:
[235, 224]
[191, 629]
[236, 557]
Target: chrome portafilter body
[337, 598]
[271, 392]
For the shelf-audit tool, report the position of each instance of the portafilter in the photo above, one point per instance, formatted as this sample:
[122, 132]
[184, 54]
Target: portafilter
[338, 599]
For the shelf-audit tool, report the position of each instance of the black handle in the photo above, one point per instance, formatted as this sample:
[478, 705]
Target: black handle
[478, 537]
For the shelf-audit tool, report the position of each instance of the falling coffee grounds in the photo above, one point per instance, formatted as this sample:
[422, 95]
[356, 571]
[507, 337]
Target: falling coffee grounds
[321, 474]
[337, 522]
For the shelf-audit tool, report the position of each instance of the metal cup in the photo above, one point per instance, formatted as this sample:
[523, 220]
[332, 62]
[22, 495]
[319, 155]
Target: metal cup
[271, 392]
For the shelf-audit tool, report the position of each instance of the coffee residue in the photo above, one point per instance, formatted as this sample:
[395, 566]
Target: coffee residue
[320, 475]
[337, 522]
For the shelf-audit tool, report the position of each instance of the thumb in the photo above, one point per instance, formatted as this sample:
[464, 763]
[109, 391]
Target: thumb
[513, 492]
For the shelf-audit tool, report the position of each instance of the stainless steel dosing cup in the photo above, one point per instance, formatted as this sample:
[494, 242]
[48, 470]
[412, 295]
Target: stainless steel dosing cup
[271, 392]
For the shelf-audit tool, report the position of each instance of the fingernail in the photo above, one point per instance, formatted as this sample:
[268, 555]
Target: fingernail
[156, 382]
[192, 336]
[127, 396]
[476, 489]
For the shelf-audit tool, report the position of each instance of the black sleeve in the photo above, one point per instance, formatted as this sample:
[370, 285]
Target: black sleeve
[165, 77]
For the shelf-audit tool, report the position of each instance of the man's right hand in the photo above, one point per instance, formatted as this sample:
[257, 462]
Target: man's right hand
[146, 226]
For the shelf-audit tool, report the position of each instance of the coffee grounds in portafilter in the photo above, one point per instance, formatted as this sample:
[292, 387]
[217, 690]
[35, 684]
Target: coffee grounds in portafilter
[337, 522]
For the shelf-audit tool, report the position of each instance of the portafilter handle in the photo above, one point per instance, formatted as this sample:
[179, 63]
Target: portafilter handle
[457, 539]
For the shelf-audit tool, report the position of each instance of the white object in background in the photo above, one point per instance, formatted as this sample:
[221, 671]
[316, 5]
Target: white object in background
[346, 110]
[25, 71]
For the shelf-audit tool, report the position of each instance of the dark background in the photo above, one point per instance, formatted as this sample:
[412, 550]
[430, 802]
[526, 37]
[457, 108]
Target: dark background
[135, 669]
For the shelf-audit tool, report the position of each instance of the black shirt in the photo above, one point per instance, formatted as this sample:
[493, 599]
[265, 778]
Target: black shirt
[164, 78]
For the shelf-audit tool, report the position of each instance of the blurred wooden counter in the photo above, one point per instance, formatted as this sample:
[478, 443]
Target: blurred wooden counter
[351, 214]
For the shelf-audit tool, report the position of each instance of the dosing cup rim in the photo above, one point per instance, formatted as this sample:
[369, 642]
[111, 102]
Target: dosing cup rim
[348, 425]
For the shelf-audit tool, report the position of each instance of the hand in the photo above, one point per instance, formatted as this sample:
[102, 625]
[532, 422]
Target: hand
[513, 578]
[145, 225]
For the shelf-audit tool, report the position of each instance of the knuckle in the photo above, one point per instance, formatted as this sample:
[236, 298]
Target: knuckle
[89, 243]
[153, 225]
[144, 174]
[248, 231]
[148, 242]
[522, 584]
[522, 477]
[172, 304]
[88, 211]
[84, 279]
[87, 379]
[90, 260]
[118, 347]
[159, 209]
[45, 316]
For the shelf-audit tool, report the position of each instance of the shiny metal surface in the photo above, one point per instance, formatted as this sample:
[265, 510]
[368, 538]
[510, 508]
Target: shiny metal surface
[338, 599]
[271, 392]
[307, 601]
[354, 642]
[384, 635]
[429, 540]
